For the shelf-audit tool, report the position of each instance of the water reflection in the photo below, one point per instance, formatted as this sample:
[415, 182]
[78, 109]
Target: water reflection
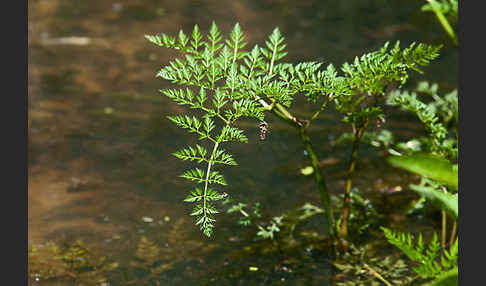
[99, 142]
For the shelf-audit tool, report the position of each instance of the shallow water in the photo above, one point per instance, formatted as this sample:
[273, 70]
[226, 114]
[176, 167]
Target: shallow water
[100, 143]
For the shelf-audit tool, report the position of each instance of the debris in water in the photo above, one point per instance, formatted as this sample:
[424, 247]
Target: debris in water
[160, 11]
[307, 170]
[77, 184]
[152, 57]
[147, 219]
[108, 110]
[329, 161]
[397, 189]
[117, 7]
[77, 41]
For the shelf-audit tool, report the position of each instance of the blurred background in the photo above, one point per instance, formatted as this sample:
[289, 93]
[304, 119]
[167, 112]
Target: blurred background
[99, 165]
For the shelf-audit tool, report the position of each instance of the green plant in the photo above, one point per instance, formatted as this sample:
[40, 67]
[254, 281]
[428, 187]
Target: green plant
[212, 66]
[369, 77]
[433, 158]
[432, 261]
[431, 166]
[439, 180]
[434, 155]
[443, 9]
[439, 116]
[284, 224]
[232, 83]
[437, 173]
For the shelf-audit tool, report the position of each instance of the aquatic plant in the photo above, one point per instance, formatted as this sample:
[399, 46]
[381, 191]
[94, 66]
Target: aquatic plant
[71, 263]
[360, 269]
[369, 77]
[77, 263]
[439, 117]
[432, 261]
[432, 159]
[225, 83]
[434, 156]
[439, 172]
[444, 9]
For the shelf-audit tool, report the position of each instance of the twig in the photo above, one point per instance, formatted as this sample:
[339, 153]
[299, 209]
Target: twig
[352, 166]
[443, 21]
[282, 113]
[323, 107]
[453, 233]
[377, 275]
[444, 224]
[321, 183]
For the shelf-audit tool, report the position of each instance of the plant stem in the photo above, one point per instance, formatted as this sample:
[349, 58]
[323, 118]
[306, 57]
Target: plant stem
[444, 224]
[321, 183]
[453, 233]
[377, 275]
[347, 195]
[244, 213]
[286, 116]
[443, 21]
[208, 171]
[318, 112]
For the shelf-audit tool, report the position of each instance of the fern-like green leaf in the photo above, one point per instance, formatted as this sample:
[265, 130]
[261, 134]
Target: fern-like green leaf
[427, 258]
[192, 154]
[224, 82]
[233, 134]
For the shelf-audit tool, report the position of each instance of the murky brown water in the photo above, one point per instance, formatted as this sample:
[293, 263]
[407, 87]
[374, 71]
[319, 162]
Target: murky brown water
[99, 143]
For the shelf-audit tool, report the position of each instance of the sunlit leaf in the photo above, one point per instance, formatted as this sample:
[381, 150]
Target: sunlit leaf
[445, 200]
[449, 278]
[428, 166]
[307, 170]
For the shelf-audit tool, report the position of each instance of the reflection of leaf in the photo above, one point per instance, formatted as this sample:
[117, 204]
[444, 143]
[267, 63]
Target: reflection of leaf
[148, 251]
[429, 166]
[449, 278]
[446, 200]
[75, 260]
